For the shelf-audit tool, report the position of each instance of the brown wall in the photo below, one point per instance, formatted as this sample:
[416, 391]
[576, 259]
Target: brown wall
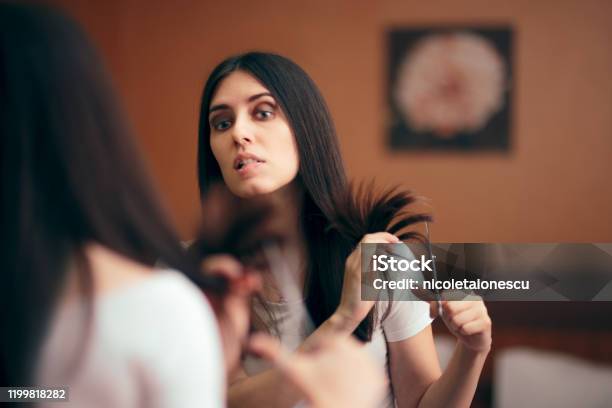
[554, 185]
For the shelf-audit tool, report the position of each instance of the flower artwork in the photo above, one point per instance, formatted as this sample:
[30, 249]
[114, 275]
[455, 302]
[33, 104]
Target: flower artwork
[450, 89]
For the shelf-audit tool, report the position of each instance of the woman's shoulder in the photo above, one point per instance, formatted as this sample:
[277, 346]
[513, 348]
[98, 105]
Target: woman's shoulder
[112, 271]
[166, 297]
[116, 276]
[130, 295]
[167, 323]
[163, 287]
[159, 324]
[403, 318]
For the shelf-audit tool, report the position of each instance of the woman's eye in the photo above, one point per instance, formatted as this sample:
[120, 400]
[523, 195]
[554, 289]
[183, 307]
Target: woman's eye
[264, 113]
[221, 125]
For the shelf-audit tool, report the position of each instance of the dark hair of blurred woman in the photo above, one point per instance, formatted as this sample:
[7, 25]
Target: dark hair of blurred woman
[70, 176]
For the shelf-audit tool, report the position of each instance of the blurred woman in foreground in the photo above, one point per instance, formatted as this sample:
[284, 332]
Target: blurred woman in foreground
[81, 303]
[82, 230]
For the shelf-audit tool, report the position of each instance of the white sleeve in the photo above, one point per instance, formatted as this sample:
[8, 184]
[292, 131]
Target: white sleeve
[188, 370]
[405, 319]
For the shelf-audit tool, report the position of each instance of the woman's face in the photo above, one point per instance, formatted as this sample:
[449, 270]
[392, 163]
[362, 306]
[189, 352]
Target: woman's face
[250, 137]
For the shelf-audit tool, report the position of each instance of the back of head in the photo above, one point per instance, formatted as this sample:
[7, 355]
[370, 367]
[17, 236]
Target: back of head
[70, 176]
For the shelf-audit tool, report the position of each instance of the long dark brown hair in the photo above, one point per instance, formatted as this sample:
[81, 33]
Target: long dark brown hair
[71, 175]
[333, 216]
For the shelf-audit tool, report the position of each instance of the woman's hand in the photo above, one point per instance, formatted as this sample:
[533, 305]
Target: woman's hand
[467, 320]
[233, 308]
[352, 310]
[335, 371]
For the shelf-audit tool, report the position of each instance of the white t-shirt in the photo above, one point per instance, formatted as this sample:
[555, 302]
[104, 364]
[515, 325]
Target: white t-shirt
[151, 344]
[405, 319]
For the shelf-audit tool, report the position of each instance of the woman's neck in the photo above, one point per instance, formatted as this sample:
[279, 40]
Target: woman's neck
[287, 264]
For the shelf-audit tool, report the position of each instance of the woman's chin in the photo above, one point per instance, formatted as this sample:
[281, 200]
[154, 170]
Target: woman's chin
[252, 188]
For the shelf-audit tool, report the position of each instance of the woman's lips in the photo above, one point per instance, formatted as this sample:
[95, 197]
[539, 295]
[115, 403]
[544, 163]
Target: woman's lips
[248, 168]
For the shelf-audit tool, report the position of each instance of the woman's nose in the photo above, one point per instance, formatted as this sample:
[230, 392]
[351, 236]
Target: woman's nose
[243, 132]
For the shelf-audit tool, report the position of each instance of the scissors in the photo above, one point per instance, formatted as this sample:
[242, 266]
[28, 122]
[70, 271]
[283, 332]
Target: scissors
[434, 271]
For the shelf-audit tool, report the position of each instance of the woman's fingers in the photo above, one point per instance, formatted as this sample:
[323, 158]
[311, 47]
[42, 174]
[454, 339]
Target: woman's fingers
[222, 265]
[327, 373]
[242, 281]
[252, 282]
[476, 326]
[268, 348]
[469, 321]
[454, 307]
[456, 321]
[380, 237]
[299, 369]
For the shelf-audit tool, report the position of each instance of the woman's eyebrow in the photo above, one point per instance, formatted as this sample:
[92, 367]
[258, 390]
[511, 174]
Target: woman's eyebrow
[259, 95]
[218, 107]
[250, 99]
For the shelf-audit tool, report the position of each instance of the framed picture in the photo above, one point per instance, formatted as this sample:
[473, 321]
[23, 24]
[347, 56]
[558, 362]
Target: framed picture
[450, 88]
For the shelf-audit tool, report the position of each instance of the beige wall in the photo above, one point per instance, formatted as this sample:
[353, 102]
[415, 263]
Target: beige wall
[554, 185]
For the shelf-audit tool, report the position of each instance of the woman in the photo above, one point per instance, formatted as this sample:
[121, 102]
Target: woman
[81, 303]
[264, 127]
